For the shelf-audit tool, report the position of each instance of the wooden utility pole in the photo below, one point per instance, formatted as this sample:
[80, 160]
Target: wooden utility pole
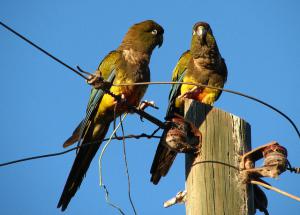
[212, 178]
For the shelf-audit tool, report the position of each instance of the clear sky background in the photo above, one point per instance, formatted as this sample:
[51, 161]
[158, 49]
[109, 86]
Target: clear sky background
[42, 102]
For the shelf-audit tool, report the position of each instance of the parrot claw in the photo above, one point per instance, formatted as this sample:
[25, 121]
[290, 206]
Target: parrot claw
[97, 81]
[121, 101]
[94, 78]
[191, 94]
[144, 104]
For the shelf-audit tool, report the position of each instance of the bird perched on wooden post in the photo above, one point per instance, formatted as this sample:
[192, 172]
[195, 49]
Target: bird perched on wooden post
[129, 63]
[202, 64]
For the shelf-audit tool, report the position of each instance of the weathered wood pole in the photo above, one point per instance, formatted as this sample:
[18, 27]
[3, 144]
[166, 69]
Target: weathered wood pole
[212, 178]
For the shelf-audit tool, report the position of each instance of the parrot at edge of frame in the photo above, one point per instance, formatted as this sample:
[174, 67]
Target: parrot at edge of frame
[202, 64]
[129, 63]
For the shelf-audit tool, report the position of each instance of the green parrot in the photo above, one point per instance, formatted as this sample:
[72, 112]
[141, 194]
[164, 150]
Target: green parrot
[201, 64]
[129, 63]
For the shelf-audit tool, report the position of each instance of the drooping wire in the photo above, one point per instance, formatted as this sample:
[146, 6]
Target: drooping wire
[40, 156]
[102, 185]
[143, 135]
[104, 148]
[127, 169]
[109, 202]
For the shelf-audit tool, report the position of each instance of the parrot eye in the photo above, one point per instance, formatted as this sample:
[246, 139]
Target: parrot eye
[154, 32]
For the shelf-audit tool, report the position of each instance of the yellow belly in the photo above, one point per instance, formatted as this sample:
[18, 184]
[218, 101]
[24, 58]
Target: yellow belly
[206, 96]
[133, 95]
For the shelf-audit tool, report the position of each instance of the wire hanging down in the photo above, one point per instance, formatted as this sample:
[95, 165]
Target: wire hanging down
[102, 185]
[126, 167]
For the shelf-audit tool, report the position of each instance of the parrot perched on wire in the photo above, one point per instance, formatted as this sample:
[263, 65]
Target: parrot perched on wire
[129, 63]
[202, 64]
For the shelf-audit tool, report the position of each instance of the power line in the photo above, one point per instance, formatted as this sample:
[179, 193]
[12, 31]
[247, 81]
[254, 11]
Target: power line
[143, 135]
[126, 168]
[42, 50]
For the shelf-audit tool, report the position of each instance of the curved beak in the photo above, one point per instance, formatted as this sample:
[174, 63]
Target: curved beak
[160, 41]
[201, 32]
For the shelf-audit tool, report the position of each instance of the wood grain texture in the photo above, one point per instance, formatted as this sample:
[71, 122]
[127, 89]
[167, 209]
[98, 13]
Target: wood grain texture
[212, 177]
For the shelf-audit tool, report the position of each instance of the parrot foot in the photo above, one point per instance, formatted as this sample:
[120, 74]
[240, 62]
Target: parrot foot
[97, 81]
[191, 94]
[144, 104]
[121, 101]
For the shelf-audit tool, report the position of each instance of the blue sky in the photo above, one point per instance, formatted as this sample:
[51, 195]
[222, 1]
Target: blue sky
[41, 101]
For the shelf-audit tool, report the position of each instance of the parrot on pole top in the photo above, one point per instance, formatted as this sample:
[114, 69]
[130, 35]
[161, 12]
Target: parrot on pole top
[202, 64]
[129, 63]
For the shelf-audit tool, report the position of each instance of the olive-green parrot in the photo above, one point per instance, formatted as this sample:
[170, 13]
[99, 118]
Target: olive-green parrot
[201, 64]
[129, 63]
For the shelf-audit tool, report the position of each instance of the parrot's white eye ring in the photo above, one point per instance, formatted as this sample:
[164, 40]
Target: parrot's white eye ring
[154, 32]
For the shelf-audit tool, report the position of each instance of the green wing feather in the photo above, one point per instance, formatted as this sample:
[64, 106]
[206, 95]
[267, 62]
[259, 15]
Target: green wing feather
[177, 75]
[181, 65]
[106, 68]
[164, 157]
[82, 134]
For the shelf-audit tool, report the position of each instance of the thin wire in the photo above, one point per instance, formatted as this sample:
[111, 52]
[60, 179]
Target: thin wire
[153, 133]
[143, 135]
[275, 189]
[109, 202]
[40, 156]
[115, 111]
[292, 169]
[105, 146]
[222, 89]
[100, 169]
[42, 50]
[127, 169]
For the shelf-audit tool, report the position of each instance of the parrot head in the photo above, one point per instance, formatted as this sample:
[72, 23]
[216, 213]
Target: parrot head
[203, 37]
[143, 37]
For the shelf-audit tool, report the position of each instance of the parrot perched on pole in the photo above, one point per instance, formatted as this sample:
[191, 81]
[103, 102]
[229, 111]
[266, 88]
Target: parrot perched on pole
[129, 63]
[202, 64]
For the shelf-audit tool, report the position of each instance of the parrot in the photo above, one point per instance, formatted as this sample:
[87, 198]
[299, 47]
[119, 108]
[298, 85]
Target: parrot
[202, 64]
[129, 63]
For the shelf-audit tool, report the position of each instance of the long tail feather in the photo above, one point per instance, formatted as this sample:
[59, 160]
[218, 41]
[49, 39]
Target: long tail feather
[75, 136]
[162, 162]
[80, 166]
